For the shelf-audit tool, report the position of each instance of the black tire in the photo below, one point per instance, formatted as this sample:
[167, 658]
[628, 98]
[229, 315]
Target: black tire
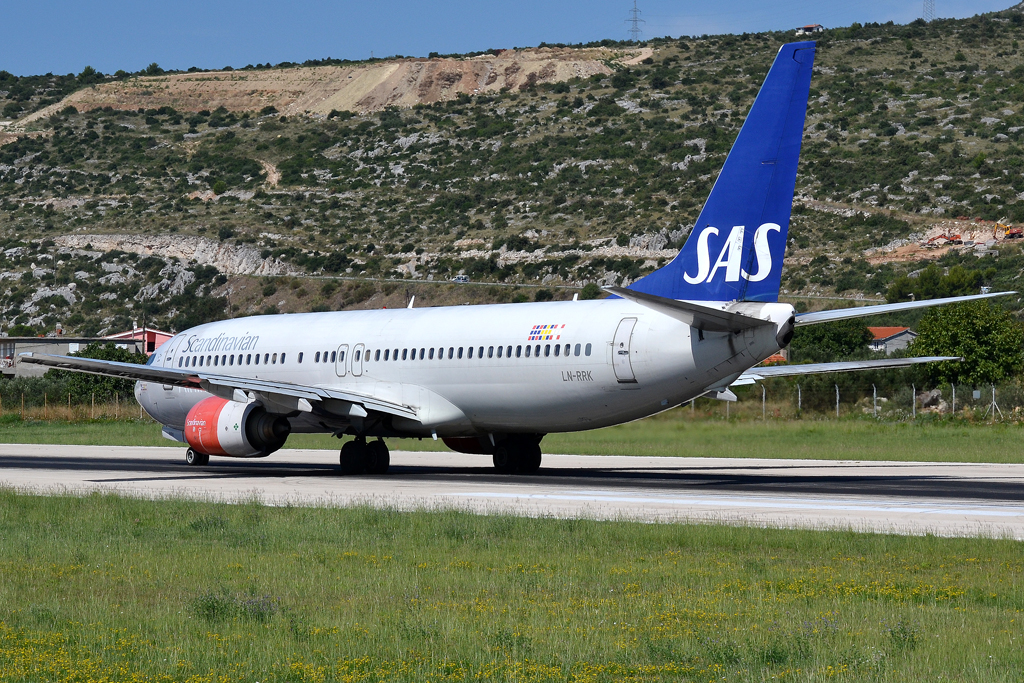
[531, 458]
[378, 457]
[353, 457]
[194, 458]
[506, 458]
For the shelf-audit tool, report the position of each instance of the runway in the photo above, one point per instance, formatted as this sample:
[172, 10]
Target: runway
[900, 497]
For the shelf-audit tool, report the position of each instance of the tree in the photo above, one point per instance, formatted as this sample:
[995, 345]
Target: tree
[591, 291]
[83, 387]
[932, 284]
[839, 340]
[990, 341]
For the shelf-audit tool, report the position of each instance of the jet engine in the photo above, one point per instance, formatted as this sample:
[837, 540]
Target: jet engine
[216, 426]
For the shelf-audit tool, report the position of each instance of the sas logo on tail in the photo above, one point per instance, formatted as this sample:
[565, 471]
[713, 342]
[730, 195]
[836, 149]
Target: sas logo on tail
[730, 257]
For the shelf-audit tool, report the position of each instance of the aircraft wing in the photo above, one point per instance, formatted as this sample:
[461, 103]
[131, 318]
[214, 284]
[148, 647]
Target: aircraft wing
[864, 311]
[284, 396]
[759, 373]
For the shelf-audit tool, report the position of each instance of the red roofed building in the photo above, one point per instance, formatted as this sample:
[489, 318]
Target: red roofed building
[152, 338]
[889, 339]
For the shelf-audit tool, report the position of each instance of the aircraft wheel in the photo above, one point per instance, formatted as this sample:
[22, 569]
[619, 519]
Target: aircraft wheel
[353, 457]
[506, 458]
[529, 463]
[378, 457]
[194, 458]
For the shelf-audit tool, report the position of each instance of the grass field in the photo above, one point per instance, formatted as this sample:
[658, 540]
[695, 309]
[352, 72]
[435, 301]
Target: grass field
[109, 589]
[671, 434]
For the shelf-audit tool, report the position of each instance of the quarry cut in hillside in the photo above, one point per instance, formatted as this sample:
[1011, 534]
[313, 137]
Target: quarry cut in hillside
[227, 258]
[358, 88]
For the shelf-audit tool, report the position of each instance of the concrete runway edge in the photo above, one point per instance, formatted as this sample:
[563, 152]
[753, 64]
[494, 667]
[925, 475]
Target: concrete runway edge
[947, 499]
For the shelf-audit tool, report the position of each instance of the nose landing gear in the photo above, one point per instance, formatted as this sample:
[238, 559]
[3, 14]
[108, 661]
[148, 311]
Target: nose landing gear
[194, 458]
[358, 456]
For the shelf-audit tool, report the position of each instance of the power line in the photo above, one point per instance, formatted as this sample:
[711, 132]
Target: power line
[634, 21]
[929, 10]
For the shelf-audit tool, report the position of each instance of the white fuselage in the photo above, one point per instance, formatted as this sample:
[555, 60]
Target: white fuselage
[590, 363]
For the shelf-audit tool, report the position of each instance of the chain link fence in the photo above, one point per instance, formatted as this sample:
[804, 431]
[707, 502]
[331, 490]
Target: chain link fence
[787, 400]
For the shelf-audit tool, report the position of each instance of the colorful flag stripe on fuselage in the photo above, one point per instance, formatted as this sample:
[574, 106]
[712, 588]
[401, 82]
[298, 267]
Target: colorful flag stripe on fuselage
[546, 332]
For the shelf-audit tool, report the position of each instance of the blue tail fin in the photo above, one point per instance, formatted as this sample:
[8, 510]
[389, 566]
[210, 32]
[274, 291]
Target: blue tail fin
[735, 250]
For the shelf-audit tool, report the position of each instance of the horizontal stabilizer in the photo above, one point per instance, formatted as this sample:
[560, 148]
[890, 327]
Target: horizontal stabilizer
[695, 315]
[759, 373]
[865, 311]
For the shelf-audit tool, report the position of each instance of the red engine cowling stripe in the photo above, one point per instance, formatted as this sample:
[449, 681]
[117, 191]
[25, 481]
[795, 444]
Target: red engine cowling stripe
[201, 426]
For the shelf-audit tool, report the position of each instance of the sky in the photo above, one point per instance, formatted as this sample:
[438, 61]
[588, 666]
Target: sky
[63, 37]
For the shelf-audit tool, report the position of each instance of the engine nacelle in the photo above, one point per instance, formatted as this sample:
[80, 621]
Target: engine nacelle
[216, 426]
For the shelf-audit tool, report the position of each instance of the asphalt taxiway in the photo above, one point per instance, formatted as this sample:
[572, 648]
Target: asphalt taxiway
[950, 499]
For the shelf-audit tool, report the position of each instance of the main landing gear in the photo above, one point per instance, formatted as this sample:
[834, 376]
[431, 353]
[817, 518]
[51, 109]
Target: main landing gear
[194, 458]
[358, 456]
[522, 456]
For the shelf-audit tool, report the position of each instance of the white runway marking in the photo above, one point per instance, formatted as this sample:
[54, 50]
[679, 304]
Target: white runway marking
[899, 497]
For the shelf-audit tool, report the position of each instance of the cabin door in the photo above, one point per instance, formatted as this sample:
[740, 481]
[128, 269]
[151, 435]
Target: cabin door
[621, 352]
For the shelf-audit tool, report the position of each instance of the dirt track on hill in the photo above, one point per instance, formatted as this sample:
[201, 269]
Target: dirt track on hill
[359, 88]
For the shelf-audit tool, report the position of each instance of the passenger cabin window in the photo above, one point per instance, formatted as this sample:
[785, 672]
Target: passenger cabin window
[376, 355]
[273, 359]
[519, 351]
[248, 358]
[358, 354]
[300, 357]
[480, 353]
[215, 359]
[422, 353]
[431, 356]
[547, 350]
[557, 348]
[451, 352]
[316, 358]
[257, 359]
[528, 350]
[334, 356]
[387, 354]
[587, 351]
[470, 352]
[282, 358]
[490, 352]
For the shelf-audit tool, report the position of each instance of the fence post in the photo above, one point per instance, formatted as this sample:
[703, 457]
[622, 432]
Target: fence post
[763, 416]
[799, 400]
[44, 405]
[69, 406]
[92, 410]
[23, 405]
[837, 401]
[874, 399]
[117, 404]
[913, 401]
[693, 407]
[954, 398]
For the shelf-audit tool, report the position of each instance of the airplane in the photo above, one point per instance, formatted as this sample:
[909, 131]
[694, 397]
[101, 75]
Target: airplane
[495, 379]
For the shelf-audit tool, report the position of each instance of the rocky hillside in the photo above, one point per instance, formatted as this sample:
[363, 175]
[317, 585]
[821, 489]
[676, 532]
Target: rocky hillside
[912, 136]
